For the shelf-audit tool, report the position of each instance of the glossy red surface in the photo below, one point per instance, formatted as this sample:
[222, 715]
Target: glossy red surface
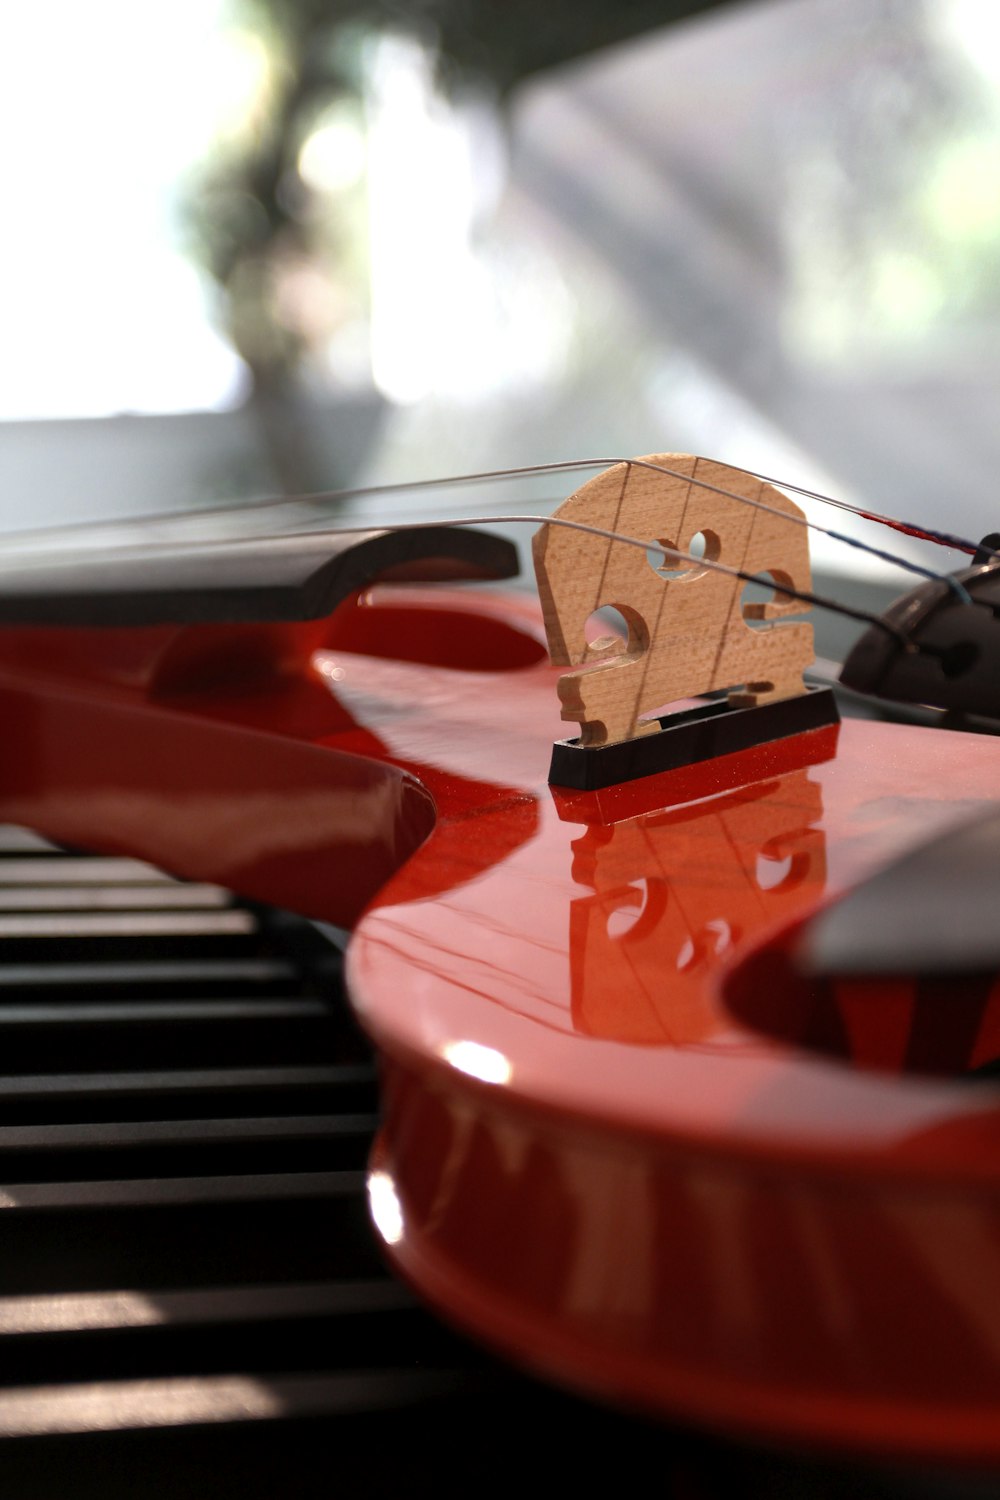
[612, 1144]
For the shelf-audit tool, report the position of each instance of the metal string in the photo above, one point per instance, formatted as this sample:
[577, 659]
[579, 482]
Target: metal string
[669, 554]
[337, 497]
[908, 528]
[890, 557]
[310, 498]
[331, 497]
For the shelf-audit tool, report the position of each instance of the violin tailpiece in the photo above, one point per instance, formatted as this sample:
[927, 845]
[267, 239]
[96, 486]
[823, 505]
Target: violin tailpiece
[935, 647]
[690, 631]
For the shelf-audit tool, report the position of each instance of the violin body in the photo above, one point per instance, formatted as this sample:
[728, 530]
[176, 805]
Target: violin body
[602, 1152]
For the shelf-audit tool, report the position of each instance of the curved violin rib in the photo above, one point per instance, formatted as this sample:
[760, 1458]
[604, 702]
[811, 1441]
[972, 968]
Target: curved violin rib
[261, 579]
[938, 649]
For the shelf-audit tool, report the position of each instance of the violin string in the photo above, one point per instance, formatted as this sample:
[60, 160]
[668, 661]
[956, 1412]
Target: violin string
[939, 538]
[305, 497]
[669, 555]
[907, 528]
[890, 557]
[483, 476]
[532, 470]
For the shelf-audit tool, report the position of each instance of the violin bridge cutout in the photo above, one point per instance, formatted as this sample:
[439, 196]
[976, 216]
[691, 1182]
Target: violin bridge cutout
[689, 631]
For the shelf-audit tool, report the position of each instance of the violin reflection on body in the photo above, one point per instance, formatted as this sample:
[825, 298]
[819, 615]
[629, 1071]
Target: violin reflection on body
[674, 893]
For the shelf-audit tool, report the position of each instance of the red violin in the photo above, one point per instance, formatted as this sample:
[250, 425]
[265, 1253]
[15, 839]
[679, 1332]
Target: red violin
[641, 1131]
